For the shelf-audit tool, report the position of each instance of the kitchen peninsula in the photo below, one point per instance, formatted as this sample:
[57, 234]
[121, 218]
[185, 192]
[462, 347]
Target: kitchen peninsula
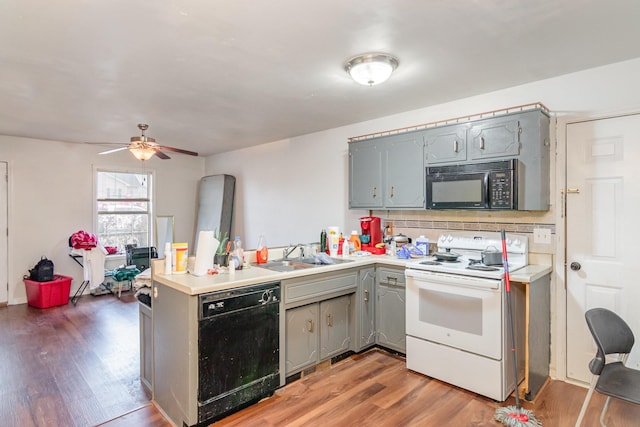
[324, 313]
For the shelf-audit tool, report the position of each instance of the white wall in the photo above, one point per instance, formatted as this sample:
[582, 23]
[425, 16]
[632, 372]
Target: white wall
[51, 197]
[293, 188]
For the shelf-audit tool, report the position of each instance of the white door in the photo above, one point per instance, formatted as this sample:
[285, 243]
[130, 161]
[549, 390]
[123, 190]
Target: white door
[603, 231]
[4, 208]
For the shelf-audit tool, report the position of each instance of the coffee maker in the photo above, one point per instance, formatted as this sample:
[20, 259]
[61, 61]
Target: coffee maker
[370, 226]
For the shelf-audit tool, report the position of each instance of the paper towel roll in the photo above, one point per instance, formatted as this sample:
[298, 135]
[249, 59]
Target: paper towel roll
[207, 245]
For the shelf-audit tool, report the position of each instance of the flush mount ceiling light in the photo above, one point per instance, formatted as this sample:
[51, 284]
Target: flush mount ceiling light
[371, 68]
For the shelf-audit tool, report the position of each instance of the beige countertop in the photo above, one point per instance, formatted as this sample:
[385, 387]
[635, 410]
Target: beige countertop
[195, 285]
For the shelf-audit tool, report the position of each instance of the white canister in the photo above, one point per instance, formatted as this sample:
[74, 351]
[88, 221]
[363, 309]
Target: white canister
[422, 243]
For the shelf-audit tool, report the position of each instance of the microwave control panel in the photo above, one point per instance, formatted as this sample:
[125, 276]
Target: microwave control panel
[501, 189]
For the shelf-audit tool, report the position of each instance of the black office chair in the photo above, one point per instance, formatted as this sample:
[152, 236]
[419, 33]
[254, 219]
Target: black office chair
[612, 336]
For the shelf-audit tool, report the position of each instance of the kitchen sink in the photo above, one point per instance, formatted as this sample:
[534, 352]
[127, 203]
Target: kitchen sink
[313, 261]
[284, 265]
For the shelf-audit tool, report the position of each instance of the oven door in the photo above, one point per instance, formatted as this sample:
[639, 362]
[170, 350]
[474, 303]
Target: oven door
[458, 311]
[457, 190]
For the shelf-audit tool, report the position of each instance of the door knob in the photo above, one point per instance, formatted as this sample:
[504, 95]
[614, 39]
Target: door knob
[575, 266]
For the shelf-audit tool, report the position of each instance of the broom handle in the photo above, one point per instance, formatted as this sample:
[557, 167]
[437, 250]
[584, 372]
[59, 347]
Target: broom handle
[505, 263]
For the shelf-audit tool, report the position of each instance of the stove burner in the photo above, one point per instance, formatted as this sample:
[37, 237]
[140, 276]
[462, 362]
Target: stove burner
[481, 267]
[430, 263]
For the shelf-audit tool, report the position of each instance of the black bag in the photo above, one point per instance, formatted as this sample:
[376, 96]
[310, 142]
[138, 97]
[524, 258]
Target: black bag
[43, 271]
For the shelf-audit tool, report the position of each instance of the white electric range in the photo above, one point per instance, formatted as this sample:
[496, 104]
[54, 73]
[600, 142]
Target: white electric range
[456, 314]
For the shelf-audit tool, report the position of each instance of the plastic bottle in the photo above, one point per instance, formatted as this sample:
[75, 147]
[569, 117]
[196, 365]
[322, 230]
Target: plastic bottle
[168, 268]
[354, 242]
[238, 253]
[323, 241]
[422, 243]
[345, 247]
[262, 252]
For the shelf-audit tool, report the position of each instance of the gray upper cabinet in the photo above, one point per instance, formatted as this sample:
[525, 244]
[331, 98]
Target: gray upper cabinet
[365, 174]
[447, 144]
[387, 172]
[495, 138]
[404, 167]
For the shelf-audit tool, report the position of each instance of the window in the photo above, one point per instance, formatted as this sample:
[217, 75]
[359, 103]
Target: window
[123, 208]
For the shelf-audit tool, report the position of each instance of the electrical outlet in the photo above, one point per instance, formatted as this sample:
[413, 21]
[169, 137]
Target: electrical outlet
[542, 235]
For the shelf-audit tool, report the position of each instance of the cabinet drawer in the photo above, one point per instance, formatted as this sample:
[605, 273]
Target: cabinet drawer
[391, 276]
[310, 289]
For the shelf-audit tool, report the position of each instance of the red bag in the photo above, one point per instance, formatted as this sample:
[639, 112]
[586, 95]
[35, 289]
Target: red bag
[83, 240]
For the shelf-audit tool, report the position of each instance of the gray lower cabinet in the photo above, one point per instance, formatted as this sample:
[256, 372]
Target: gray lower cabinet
[319, 318]
[302, 337]
[316, 332]
[390, 310]
[146, 350]
[335, 327]
[365, 308]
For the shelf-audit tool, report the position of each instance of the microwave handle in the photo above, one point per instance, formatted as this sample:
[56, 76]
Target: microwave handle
[487, 186]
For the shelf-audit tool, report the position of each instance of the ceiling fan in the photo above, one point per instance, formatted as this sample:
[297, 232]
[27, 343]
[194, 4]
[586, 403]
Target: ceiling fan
[144, 147]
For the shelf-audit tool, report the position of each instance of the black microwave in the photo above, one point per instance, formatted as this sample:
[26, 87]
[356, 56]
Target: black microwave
[490, 185]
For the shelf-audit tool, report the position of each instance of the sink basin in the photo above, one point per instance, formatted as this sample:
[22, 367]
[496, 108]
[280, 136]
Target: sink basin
[284, 265]
[297, 264]
[313, 261]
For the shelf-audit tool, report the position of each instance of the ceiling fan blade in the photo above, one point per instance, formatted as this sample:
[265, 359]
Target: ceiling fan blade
[113, 150]
[161, 155]
[178, 150]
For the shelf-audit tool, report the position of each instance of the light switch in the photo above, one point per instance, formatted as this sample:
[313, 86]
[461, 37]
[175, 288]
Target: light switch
[542, 235]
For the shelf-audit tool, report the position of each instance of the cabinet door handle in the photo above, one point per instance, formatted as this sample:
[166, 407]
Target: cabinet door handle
[391, 195]
[366, 295]
[374, 192]
[329, 320]
[482, 143]
[455, 145]
[309, 325]
[392, 279]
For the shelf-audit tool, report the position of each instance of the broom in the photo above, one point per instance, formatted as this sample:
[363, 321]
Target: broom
[513, 416]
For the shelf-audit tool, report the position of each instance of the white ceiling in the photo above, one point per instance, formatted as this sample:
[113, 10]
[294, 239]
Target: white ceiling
[216, 75]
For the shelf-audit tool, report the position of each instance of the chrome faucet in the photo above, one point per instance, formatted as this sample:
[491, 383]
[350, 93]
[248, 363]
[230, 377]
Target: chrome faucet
[289, 249]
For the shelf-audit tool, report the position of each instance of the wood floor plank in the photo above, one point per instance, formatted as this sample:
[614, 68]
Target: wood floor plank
[79, 366]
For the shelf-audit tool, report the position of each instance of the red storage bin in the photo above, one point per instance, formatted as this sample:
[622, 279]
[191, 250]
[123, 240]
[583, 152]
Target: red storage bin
[48, 294]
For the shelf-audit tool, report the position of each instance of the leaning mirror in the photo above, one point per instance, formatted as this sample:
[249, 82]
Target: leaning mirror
[164, 232]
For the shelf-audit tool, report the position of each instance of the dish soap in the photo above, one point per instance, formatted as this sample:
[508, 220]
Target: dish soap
[354, 242]
[262, 252]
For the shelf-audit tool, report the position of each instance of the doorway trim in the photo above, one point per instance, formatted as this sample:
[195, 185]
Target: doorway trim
[560, 263]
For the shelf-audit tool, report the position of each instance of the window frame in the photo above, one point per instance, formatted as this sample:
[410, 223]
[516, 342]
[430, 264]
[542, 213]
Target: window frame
[151, 201]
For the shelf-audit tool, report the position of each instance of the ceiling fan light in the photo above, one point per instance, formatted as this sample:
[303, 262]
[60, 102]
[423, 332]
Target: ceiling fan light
[142, 153]
[372, 68]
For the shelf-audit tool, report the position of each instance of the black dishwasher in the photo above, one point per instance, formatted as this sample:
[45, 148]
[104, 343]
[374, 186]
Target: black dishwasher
[238, 348]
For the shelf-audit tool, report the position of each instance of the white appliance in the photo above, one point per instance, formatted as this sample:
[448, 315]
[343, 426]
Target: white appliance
[456, 317]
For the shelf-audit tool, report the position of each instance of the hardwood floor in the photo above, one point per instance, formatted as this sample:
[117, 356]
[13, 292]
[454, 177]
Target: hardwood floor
[79, 366]
[70, 365]
[375, 389]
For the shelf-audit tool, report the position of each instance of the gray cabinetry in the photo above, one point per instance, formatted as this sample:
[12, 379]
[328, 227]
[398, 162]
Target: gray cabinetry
[146, 349]
[302, 337]
[335, 328]
[495, 138]
[365, 174]
[404, 166]
[387, 172]
[446, 144]
[390, 311]
[319, 318]
[365, 301]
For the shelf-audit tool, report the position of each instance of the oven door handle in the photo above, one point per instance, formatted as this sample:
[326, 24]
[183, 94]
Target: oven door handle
[453, 280]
